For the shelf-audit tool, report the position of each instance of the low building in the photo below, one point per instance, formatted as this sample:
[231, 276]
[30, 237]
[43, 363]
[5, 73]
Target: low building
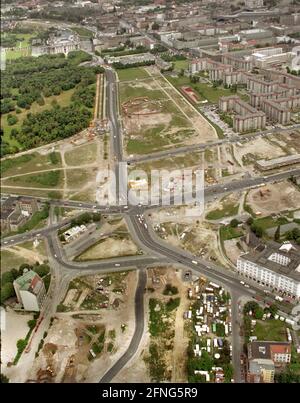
[272, 267]
[30, 291]
[131, 59]
[274, 163]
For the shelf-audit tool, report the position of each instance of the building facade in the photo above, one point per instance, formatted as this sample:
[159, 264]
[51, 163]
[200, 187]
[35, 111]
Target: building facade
[30, 291]
[277, 269]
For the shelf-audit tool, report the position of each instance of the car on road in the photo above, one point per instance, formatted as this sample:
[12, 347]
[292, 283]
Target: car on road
[242, 282]
[117, 264]
[194, 262]
[55, 255]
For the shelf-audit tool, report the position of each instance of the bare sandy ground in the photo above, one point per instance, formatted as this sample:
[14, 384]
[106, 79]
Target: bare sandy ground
[274, 198]
[15, 328]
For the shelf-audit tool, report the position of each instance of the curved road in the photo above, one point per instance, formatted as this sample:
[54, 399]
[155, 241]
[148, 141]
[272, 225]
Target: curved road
[138, 332]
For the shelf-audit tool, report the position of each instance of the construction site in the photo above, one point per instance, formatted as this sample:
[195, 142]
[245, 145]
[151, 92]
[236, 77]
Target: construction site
[85, 339]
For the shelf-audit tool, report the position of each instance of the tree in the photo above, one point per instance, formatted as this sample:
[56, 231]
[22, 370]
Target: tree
[234, 223]
[7, 291]
[4, 379]
[250, 221]
[258, 231]
[155, 26]
[277, 234]
[259, 313]
[12, 120]
[7, 277]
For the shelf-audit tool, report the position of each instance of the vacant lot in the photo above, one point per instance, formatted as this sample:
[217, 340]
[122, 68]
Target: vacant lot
[77, 178]
[81, 155]
[156, 116]
[30, 163]
[270, 329]
[274, 198]
[135, 73]
[49, 179]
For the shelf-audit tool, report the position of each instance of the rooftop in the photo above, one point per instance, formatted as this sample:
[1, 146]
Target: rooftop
[263, 350]
[285, 263]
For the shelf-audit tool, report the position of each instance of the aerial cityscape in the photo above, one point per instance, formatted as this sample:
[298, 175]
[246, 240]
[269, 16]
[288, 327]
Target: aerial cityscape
[150, 192]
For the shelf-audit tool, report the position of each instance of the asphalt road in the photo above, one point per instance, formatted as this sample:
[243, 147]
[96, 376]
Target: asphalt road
[201, 147]
[160, 251]
[138, 332]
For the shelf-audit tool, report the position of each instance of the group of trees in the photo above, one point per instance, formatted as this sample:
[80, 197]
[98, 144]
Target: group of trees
[31, 79]
[293, 235]
[52, 125]
[137, 64]
[86, 218]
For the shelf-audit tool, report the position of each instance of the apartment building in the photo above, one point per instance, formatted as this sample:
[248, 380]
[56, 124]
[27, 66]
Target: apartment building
[275, 268]
[278, 352]
[30, 291]
[246, 117]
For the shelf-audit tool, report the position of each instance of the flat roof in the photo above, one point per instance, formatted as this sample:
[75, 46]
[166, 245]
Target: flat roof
[291, 269]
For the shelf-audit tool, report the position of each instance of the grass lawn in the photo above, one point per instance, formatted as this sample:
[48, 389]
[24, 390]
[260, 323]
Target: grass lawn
[23, 43]
[271, 329]
[206, 91]
[128, 91]
[85, 154]
[181, 64]
[29, 163]
[227, 232]
[54, 194]
[77, 178]
[40, 249]
[270, 222]
[81, 31]
[11, 260]
[133, 73]
[152, 142]
[63, 99]
[87, 196]
[228, 210]
[50, 179]
[181, 161]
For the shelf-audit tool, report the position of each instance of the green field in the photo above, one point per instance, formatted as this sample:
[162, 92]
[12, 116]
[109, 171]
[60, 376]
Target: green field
[129, 90]
[270, 222]
[205, 91]
[50, 179]
[271, 329]
[84, 32]
[11, 260]
[181, 64]
[23, 43]
[29, 163]
[63, 99]
[77, 178]
[134, 73]
[228, 210]
[227, 232]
